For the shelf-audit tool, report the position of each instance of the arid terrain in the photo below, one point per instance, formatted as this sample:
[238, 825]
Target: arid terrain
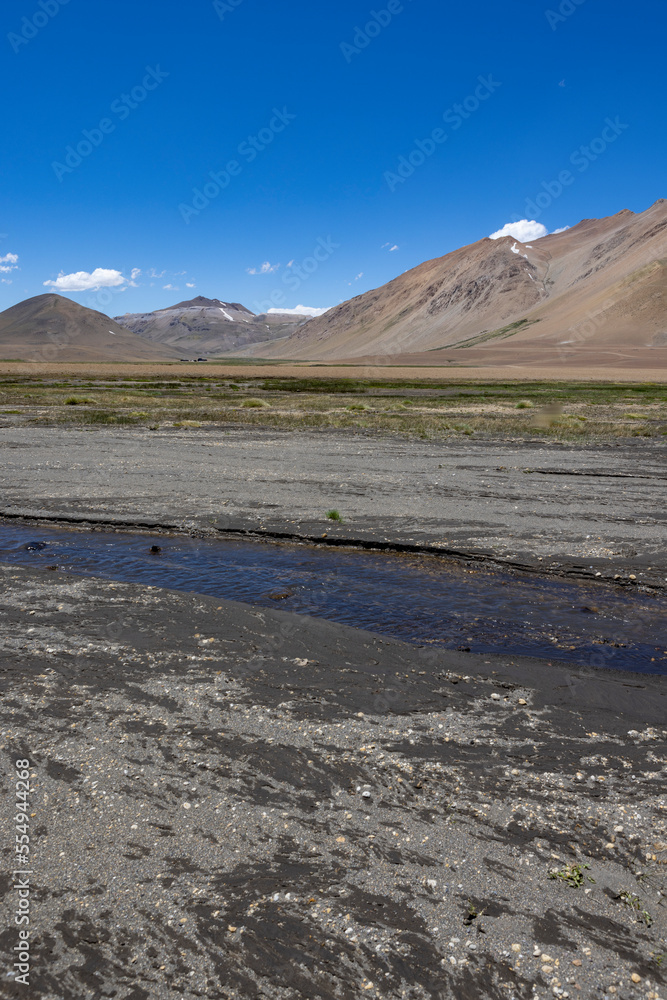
[51, 327]
[243, 803]
[595, 291]
[591, 297]
[231, 800]
[202, 326]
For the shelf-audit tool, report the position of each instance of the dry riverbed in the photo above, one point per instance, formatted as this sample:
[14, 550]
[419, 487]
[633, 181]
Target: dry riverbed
[231, 802]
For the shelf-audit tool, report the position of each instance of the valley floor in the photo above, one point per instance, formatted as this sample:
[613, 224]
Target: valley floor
[593, 509]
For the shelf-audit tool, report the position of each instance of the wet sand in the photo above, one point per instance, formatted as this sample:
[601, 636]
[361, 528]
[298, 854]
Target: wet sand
[234, 802]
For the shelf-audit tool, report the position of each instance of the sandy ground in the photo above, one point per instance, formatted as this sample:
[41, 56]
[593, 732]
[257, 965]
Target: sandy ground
[585, 511]
[624, 371]
[229, 802]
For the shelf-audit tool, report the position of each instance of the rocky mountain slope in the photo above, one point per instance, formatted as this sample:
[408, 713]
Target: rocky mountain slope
[599, 286]
[209, 326]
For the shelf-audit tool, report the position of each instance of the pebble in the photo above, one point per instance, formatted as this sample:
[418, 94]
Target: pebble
[495, 696]
[635, 978]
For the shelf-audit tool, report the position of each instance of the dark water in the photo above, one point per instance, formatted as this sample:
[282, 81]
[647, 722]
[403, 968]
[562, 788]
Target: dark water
[416, 599]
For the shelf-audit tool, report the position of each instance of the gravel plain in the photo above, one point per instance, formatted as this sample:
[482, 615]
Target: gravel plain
[234, 802]
[242, 803]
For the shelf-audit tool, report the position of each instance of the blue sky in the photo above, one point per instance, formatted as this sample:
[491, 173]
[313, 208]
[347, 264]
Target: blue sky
[304, 113]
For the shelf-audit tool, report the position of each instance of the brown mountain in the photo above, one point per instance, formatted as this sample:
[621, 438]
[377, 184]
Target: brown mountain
[595, 291]
[51, 327]
[209, 326]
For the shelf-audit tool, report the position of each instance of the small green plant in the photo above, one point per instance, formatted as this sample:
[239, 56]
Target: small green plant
[334, 515]
[524, 405]
[357, 406]
[572, 875]
[635, 903]
[78, 400]
[659, 957]
[473, 913]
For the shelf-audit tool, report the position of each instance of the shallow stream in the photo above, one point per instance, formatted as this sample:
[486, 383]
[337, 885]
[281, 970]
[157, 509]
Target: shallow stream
[419, 599]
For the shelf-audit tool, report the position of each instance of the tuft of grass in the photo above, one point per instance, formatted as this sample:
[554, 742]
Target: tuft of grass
[334, 515]
[255, 404]
[524, 404]
[572, 875]
[79, 401]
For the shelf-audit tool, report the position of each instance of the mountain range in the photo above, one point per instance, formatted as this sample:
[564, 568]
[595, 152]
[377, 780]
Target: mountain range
[593, 294]
[209, 326]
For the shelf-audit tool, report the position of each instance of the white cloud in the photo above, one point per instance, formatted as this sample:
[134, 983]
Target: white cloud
[301, 311]
[5, 281]
[171, 288]
[561, 230]
[523, 231]
[9, 262]
[391, 246]
[82, 281]
[153, 273]
[190, 284]
[265, 268]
